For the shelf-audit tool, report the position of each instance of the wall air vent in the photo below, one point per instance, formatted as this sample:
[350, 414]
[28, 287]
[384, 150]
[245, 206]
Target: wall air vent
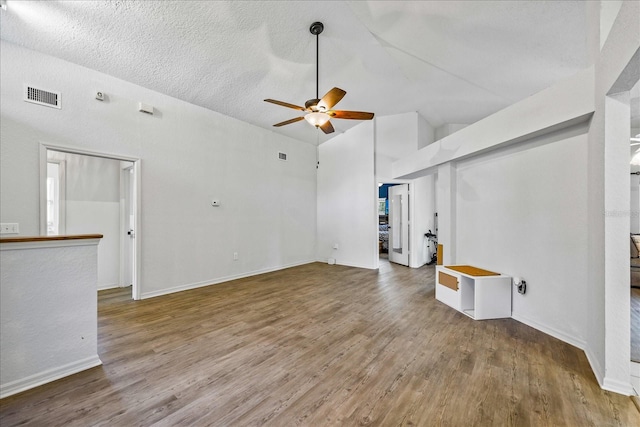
[282, 156]
[42, 97]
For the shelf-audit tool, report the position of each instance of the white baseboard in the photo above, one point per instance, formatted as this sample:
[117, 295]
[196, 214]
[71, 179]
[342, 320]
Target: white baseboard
[111, 286]
[595, 366]
[618, 387]
[346, 264]
[218, 280]
[605, 383]
[48, 376]
[635, 377]
[561, 335]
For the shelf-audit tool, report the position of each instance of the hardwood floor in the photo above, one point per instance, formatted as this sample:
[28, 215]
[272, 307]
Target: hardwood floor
[319, 345]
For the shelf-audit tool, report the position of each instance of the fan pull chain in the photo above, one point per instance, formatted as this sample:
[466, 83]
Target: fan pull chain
[317, 148]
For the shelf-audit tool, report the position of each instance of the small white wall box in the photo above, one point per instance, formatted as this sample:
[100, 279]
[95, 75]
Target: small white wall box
[215, 202]
[100, 96]
[145, 108]
[9, 228]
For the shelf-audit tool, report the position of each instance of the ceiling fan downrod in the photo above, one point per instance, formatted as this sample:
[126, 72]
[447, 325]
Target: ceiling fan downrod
[316, 29]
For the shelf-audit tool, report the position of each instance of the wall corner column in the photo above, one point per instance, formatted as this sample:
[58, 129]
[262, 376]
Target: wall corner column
[446, 191]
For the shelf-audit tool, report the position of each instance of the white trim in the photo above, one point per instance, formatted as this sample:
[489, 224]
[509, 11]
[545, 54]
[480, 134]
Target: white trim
[76, 150]
[5, 246]
[613, 385]
[635, 376]
[110, 286]
[618, 387]
[605, 383]
[48, 376]
[346, 264]
[219, 280]
[562, 336]
[595, 366]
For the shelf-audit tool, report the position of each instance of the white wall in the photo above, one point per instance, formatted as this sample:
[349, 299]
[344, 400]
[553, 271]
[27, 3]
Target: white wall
[585, 98]
[447, 129]
[347, 199]
[189, 155]
[522, 211]
[398, 136]
[426, 132]
[564, 104]
[49, 320]
[446, 190]
[608, 291]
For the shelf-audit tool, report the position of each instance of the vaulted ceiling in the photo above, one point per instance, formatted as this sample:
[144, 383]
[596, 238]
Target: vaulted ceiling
[451, 61]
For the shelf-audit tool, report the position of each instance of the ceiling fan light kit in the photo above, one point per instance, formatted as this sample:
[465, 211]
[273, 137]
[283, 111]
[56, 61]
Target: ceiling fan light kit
[317, 119]
[319, 110]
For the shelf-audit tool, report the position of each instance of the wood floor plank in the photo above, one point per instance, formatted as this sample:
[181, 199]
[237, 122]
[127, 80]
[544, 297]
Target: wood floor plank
[319, 345]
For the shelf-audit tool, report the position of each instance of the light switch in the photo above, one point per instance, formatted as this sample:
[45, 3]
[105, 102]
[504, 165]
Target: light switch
[9, 228]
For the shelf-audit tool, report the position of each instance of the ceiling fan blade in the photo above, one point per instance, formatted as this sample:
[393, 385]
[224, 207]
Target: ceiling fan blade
[351, 115]
[331, 98]
[327, 127]
[285, 104]
[288, 122]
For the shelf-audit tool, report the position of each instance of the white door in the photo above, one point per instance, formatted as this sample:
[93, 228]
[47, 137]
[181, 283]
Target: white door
[399, 224]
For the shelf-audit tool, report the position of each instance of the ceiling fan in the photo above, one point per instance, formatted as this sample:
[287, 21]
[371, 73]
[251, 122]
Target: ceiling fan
[319, 110]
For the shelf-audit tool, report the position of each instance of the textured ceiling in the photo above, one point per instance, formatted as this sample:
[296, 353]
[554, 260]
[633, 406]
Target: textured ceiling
[451, 61]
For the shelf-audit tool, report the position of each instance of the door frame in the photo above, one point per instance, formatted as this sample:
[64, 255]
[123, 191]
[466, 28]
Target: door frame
[126, 248]
[136, 197]
[405, 231]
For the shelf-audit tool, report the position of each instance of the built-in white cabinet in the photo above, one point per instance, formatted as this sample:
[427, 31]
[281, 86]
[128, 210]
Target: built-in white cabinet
[478, 296]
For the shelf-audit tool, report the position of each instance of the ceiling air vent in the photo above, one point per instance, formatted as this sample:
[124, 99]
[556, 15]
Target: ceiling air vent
[42, 97]
[282, 156]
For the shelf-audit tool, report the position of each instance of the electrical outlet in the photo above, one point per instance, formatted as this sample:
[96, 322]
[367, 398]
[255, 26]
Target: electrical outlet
[235, 256]
[520, 284]
[336, 246]
[522, 287]
[9, 228]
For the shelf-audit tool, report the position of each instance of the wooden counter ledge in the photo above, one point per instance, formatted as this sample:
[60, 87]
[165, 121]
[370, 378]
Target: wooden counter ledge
[49, 238]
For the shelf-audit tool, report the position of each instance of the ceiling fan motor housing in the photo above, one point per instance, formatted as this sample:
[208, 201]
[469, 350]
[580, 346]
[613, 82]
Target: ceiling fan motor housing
[312, 105]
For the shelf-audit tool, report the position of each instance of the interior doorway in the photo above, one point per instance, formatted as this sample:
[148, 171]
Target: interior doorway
[399, 224]
[87, 192]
